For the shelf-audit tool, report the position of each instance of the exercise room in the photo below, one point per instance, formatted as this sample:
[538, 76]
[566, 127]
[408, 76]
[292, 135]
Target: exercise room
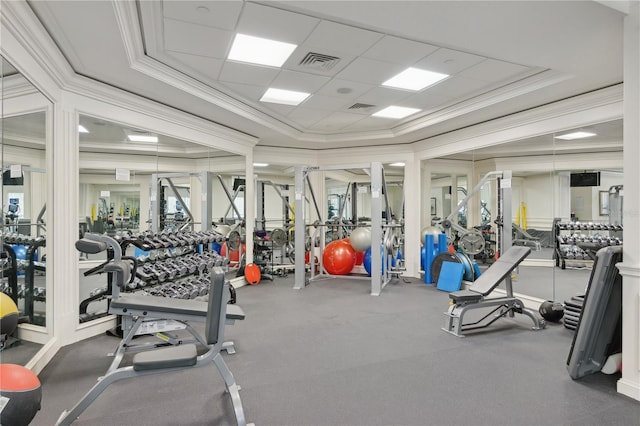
[332, 243]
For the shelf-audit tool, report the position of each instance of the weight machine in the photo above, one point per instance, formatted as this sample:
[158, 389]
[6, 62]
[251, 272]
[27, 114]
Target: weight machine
[473, 242]
[188, 222]
[386, 233]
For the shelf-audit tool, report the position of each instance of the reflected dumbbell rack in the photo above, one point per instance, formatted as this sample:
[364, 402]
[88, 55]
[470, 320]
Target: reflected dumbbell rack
[23, 257]
[169, 264]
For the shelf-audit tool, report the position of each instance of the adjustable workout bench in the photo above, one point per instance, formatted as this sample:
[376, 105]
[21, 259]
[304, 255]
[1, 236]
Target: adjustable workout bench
[174, 358]
[143, 314]
[474, 296]
[523, 238]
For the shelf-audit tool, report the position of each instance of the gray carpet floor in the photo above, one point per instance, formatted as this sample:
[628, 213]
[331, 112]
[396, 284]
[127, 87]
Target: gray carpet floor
[331, 354]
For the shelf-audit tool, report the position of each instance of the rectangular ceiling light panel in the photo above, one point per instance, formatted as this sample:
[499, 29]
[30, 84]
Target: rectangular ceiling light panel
[142, 138]
[261, 51]
[82, 129]
[395, 112]
[285, 97]
[415, 79]
[575, 135]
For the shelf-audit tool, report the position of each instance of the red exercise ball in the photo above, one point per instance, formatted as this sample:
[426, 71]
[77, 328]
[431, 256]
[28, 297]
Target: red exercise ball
[338, 257]
[234, 255]
[359, 257]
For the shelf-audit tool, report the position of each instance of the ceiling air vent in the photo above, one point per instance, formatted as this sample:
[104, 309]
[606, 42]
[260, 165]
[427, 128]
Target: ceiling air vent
[360, 106]
[319, 61]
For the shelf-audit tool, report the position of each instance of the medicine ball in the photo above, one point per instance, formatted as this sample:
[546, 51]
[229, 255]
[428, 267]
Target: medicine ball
[551, 311]
[21, 388]
[8, 314]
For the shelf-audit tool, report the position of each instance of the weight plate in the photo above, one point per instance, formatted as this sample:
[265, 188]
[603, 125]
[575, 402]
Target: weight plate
[472, 243]
[278, 237]
[234, 240]
[436, 265]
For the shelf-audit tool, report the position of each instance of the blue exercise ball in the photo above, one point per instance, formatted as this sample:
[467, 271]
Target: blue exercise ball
[366, 260]
[20, 251]
[216, 247]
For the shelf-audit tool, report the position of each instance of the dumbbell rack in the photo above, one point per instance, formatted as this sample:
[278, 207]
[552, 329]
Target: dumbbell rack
[29, 266]
[177, 264]
[578, 241]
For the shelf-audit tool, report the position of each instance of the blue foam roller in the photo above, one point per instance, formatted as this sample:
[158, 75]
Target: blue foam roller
[429, 255]
[442, 243]
[476, 270]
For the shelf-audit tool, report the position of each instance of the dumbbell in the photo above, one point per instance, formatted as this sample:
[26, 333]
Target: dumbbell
[176, 268]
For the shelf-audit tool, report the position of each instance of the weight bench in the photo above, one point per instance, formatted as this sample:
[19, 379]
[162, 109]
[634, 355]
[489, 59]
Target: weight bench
[143, 314]
[522, 237]
[475, 296]
[174, 358]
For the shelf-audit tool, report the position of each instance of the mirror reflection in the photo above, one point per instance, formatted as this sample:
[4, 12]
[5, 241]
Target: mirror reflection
[24, 220]
[566, 196]
[159, 197]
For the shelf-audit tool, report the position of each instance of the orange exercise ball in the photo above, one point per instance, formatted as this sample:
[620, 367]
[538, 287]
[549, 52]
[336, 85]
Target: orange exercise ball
[338, 257]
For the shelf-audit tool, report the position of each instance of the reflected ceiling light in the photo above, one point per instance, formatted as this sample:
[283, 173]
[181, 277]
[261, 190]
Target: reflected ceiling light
[395, 112]
[82, 129]
[398, 164]
[286, 97]
[415, 79]
[261, 51]
[142, 138]
[581, 134]
[260, 164]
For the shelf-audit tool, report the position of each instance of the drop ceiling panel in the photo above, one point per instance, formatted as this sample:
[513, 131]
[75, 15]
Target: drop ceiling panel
[457, 87]
[383, 96]
[218, 14]
[370, 71]
[449, 61]
[275, 24]
[235, 72]
[350, 40]
[399, 50]
[426, 100]
[307, 117]
[201, 65]
[298, 81]
[336, 121]
[247, 91]
[491, 70]
[326, 103]
[196, 39]
[278, 108]
[353, 89]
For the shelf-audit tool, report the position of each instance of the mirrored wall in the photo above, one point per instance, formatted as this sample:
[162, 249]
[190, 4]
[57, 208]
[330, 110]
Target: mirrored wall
[24, 284]
[136, 182]
[561, 192]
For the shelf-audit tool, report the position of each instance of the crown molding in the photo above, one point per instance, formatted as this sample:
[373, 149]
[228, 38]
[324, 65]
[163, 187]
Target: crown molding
[593, 107]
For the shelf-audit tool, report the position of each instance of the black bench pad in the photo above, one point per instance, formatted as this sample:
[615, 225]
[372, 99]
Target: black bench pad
[465, 296]
[170, 306]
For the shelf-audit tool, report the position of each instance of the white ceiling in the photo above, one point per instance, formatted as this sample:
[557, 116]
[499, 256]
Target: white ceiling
[503, 57]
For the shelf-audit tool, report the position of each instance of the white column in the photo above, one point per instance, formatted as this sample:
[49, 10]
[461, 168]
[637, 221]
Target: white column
[629, 384]
[249, 206]
[412, 214]
[62, 231]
